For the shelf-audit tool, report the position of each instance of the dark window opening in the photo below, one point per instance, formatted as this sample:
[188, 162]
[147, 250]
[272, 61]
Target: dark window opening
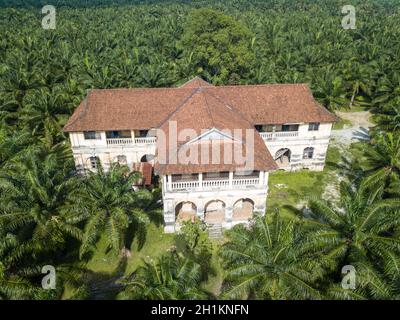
[92, 135]
[118, 134]
[313, 126]
[94, 162]
[308, 153]
[290, 127]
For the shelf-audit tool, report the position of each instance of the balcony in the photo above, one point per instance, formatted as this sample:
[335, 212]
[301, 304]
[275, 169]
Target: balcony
[130, 141]
[198, 185]
[279, 135]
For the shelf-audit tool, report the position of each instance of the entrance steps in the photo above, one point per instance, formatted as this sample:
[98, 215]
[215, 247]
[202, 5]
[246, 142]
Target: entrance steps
[215, 230]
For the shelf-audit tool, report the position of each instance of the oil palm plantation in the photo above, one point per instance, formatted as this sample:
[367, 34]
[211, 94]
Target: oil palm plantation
[168, 277]
[360, 231]
[110, 207]
[383, 163]
[268, 261]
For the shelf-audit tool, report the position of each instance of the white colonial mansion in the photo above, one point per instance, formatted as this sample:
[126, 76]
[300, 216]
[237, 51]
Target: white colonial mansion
[277, 126]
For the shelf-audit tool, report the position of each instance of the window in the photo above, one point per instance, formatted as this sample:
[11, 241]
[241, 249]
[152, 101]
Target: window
[308, 153]
[314, 126]
[264, 128]
[290, 127]
[143, 133]
[92, 135]
[94, 162]
[118, 134]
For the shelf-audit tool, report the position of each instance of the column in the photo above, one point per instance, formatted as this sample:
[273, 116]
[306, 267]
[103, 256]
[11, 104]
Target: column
[200, 212]
[170, 182]
[261, 179]
[164, 183]
[133, 136]
[266, 174]
[228, 217]
[169, 216]
[201, 180]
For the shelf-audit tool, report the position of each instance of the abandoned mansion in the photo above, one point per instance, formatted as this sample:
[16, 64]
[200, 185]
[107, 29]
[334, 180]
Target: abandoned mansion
[210, 147]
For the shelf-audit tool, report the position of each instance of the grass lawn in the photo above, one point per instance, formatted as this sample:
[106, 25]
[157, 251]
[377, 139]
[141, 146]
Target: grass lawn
[293, 188]
[213, 285]
[157, 242]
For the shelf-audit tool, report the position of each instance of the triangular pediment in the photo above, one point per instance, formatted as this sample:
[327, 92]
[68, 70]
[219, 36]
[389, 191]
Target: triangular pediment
[214, 135]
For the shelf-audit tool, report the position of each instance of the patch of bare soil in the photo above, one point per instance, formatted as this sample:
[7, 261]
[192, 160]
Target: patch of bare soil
[358, 119]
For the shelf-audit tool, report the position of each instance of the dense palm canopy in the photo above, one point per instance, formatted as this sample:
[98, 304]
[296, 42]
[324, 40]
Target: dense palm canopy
[47, 212]
[268, 261]
[109, 204]
[361, 231]
[168, 277]
[34, 188]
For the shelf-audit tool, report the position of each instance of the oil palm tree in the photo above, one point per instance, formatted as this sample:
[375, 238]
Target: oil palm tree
[110, 206]
[359, 232]
[383, 163]
[388, 117]
[14, 287]
[168, 277]
[34, 189]
[267, 261]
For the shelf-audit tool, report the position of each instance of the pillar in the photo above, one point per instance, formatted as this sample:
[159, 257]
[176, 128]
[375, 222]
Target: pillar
[169, 216]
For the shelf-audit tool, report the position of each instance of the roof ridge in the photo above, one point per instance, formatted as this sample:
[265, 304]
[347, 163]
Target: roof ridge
[208, 109]
[209, 87]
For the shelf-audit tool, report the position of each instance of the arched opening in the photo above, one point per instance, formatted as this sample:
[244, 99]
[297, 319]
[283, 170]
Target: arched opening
[282, 157]
[214, 211]
[308, 153]
[243, 209]
[147, 158]
[185, 211]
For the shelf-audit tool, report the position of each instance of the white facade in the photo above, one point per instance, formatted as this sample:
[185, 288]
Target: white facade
[225, 200]
[108, 150]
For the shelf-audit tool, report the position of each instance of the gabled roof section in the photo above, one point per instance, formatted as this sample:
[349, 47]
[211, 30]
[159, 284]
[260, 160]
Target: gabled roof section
[204, 112]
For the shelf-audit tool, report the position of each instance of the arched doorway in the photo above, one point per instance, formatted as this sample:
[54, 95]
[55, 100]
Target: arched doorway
[282, 157]
[214, 211]
[147, 158]
[243, 209]
[185, 211]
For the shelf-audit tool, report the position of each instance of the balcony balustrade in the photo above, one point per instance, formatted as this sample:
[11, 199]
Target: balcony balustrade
[130, 141]
[214, 184]
[279, 135]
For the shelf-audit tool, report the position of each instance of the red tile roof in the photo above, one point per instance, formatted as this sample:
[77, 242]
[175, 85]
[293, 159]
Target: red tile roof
[200, 106]
[124, 109]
